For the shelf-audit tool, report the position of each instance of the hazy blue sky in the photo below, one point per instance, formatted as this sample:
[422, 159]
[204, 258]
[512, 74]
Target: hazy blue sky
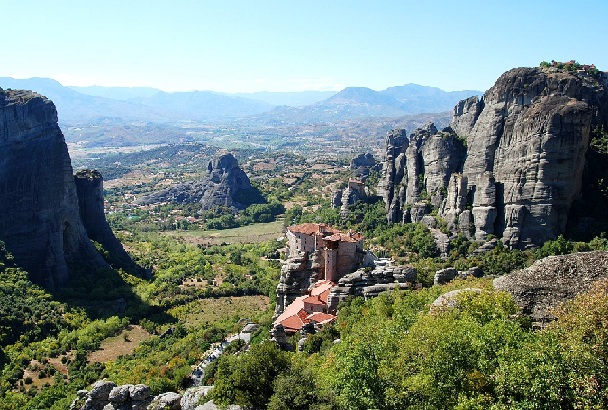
[257, 45]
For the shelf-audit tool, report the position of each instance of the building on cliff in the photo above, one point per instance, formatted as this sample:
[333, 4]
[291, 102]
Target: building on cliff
[318, 256]
[309, 308]
[341, 252]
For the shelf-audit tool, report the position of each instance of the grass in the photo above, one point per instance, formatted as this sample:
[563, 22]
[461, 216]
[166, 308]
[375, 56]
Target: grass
[123, 344]
[220, 309]
[254, 233]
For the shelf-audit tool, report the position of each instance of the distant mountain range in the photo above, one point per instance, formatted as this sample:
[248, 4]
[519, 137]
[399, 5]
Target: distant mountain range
[90, 105]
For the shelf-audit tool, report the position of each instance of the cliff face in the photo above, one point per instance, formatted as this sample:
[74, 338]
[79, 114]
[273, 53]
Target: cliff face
[224, 185]
[89, 187]
[510, 164]
[40, 220]
[417, 170]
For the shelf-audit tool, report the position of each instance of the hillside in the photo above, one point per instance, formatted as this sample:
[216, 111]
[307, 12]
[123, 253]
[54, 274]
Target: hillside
[424, 325]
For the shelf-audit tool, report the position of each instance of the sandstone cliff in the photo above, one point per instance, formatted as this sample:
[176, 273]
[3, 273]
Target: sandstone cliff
[511, 163]
[225, 184]
[40, 220]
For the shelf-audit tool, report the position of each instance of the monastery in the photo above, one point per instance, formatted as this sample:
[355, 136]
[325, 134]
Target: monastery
[338, 254]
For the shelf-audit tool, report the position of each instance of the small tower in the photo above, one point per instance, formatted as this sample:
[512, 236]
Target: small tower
[331, 259]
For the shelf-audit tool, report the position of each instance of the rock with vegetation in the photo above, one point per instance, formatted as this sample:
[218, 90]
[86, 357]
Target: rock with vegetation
[89, 186]
[370, 282]
[40, 220]
[551, 281]
[511, 164]
[224, 185]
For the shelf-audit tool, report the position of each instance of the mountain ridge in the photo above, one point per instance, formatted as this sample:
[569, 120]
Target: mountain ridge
[147, 104]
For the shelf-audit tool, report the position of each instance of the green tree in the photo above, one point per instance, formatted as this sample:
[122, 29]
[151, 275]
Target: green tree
[247, 380]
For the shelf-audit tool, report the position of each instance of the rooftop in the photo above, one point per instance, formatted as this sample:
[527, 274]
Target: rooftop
[344, 237]
[313, 229]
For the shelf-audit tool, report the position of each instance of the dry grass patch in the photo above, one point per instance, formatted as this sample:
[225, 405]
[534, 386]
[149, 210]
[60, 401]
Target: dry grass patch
[123, 344]
[225, 308]
[254, 233]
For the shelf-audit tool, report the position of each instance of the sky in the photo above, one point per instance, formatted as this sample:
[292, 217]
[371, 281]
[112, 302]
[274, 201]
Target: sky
[283, 45]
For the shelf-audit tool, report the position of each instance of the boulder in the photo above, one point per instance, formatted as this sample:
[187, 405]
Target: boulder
[444, 276]
[550, 281]
[166, 401]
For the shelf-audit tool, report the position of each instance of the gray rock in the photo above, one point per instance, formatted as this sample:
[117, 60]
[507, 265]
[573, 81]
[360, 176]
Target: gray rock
[444, 276]
[89, 187]
[166, 401]
[551, 281]
[140, 392]
[120, 394]
[384, 276]
[40, 220]
[101, 389]
[511, 163]
[224, 185]
[191, 397]
[450, 299]
[212, 406]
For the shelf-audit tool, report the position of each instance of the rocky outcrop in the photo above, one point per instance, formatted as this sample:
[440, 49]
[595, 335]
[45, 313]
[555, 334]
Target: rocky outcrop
[417, 170]
[551, 281]
[89, 187]
[510, 164]
[355, 191]
[225, 185]
[106, 395]
[362, 164]
[371, 281]
[40, 220]
[298, 273]
[342, 198]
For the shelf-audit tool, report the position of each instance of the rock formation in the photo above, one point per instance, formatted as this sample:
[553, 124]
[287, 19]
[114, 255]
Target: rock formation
[40, 219]
[298, 273]
[224, 185]
[106, 395]
[89, 186]
[553, 280]
[417, 170]
[371, 281]
[510, 164]
[360, 166]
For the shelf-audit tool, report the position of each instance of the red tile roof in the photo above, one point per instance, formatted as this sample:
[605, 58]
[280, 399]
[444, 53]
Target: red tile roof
[313, 300]
[322, 289]
[295, 316]
[344, 237]
[292, 309]
[292, 324]
[321, 317]
[313, 229]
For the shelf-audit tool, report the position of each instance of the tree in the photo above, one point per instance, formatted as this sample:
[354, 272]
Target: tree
[247, 380]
